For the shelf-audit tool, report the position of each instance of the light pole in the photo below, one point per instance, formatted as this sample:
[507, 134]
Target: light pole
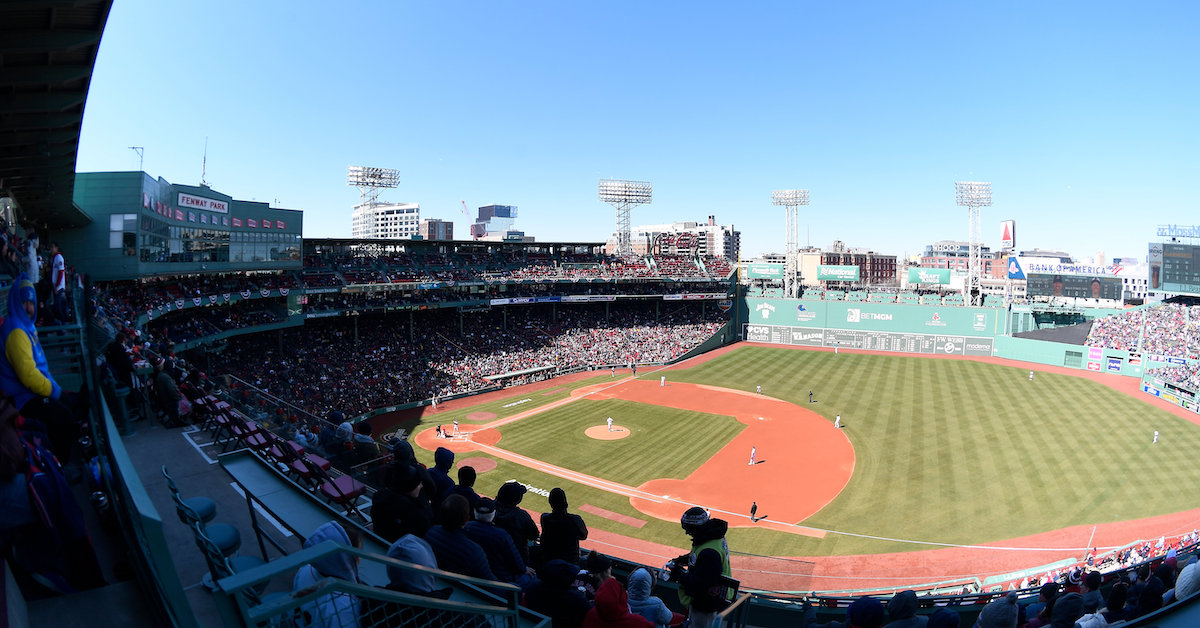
[624, 195]
[791, 199]
[973, 195]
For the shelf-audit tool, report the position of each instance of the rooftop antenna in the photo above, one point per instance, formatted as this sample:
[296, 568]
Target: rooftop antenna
[204, 164]
[140, 150]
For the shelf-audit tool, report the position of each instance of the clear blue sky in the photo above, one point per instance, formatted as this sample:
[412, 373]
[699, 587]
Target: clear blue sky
[1083, 116]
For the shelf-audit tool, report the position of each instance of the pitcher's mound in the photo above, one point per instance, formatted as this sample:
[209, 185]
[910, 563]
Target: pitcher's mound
[600, 432]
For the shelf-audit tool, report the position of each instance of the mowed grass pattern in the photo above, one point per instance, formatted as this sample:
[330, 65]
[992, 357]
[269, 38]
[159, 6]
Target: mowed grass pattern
[663, 442]
[962, 452]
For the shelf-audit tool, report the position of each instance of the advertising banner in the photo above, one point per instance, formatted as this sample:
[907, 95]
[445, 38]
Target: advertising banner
[1008, 234]
[929, 275]
[764, 271]
[837, 273]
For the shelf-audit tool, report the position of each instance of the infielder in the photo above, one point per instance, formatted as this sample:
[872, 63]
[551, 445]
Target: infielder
[758, 389]
[455, 426]
[1031, 376]
[838, 422]
[662, 381]
[754, 451]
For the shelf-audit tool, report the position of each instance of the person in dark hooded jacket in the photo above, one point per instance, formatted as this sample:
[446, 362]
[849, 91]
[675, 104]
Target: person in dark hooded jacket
[443, 484]
[397, 509]
[706, 533]
[902, 611]
[553, 596]
[701, 586]
[514, 520]
[612, 609]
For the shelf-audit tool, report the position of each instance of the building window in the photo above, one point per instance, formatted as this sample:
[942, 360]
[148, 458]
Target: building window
[122, 233]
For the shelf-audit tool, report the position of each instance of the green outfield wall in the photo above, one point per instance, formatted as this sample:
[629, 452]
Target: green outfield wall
[919, 329]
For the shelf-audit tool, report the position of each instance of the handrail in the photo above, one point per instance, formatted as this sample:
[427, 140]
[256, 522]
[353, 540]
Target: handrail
[238, 588]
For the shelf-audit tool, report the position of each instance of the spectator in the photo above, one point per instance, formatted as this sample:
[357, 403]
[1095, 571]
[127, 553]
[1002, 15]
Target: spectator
[1115, 608]
[365, 447]
[166, 392]
[455, 551]
[25, 375]
[502, 555]
[612, 609]
[116, 355]
[1188, 581]
[514, 519]
[443, 486]
[1092, 598]
[332, 609]
[705, 533]
[561, 531]
[402, 452]
[902, 611]
[701, 590]
[1000, 613]
[944, 618]
[466, 485]
[58, 283]
[397, 509]
[596, 569]
[1067, 608]
[641, 584]
[1039, 612]
[553, 596]
[413, 549]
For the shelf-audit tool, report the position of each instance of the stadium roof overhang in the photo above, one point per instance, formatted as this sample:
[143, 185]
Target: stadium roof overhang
[47, 53]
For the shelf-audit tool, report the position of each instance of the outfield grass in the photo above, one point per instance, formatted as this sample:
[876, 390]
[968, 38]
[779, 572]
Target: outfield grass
[964, 452]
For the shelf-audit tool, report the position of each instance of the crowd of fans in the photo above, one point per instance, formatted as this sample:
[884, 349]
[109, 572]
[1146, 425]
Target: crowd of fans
[1168, 329]
[327, 365]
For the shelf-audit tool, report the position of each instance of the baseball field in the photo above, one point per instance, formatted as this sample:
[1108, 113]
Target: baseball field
[933, 457]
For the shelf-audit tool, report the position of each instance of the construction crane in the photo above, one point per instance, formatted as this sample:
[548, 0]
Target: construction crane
[465, 212]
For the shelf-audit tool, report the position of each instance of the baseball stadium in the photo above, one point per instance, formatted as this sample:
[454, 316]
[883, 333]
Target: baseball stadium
[248, 427]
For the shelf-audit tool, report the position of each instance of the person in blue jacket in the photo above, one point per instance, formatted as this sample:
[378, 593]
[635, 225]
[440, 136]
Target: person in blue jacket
[25, 375]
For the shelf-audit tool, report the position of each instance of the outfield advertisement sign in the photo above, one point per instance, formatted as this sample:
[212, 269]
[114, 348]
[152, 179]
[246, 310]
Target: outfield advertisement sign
[929, 344]
[961, 321]
[939, 276]
[837, 273]
[764, 271]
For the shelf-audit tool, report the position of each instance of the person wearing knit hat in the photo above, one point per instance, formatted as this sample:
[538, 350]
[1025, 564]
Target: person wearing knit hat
[944, 618]
[1067, 608]
[706, 533]
[501, 552]
[397, 508]
[561, 530]
[865, 612]
[443, 484]
[999, 613]
[902, 611]
[25, 374]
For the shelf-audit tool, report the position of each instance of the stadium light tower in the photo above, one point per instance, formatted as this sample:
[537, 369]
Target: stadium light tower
[624, 195]
[791, 199]
[973, 195]
[369, 181]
